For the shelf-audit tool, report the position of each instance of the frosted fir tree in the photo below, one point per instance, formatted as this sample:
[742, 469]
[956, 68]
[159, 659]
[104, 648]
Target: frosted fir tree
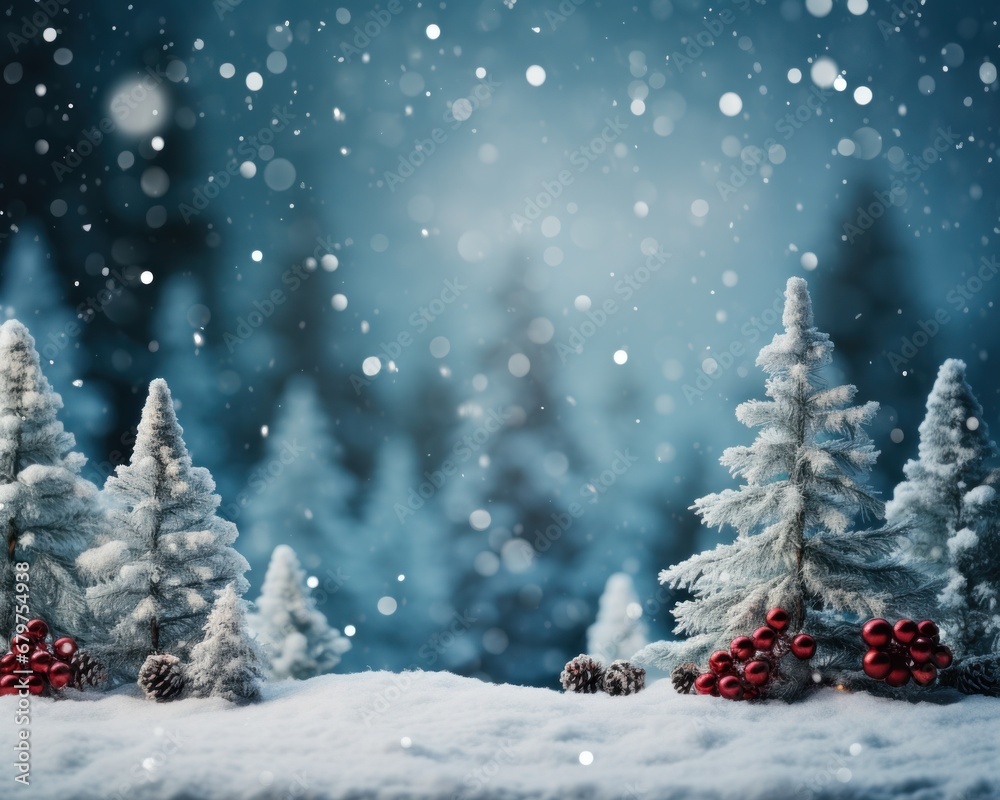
[228, 663]
[406, 556]
[301, 492]
[804, 485]
[48, 513]
[953, 457]
[619, 630]
[31, 292]
[296, 637]
[971, 597]
[153, 584]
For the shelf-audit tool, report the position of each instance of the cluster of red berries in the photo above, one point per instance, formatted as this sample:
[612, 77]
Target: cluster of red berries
[904, 650]
[752, 662]
[33, 664]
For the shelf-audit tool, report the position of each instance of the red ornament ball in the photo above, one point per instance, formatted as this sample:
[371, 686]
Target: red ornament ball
[803, 647]
[36, 683]
[922, 650]
[742, 648]
[60, 675]
[943, 656]
[924, 674]
[929, 630]
[9, 684]
[764, 638]
[40, 661]
[64, 648]
[720, 662]
[899, 675]
[731, 687]
[778, 619]
[877, 632]
[37, 629]
[751, 694]
[8, 663]
[877, 664]
[705, 683]
[757, 673]
[905, 631]
[21, 643]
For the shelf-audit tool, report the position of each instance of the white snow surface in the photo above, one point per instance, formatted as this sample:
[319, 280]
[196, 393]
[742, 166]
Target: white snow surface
[437, 735]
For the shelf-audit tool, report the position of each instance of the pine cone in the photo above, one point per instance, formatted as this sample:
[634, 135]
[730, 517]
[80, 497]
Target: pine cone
[622, 678]
[161, 677]
[583, 675]
[87, 670]
[683, 677]
[977, 675]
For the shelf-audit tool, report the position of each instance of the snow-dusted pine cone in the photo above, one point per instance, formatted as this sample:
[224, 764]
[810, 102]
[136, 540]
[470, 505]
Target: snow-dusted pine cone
[583, 675]
[977, 675]
[683, 676]
[87, 670]
[622, 678]
[161, 677]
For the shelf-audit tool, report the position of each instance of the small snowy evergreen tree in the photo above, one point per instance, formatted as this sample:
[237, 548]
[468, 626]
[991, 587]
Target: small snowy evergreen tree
[971, 598]
[619, 630]
[297, 639]
[153, 584]
[804, 478]
[953, 457]
[228, 662]
[48, 513]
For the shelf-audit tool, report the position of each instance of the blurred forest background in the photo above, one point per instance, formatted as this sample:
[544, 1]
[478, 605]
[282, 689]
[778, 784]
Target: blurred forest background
[458, 299]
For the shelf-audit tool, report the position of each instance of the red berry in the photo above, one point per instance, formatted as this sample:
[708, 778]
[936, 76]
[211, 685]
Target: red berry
[751, 694]
[8, 663]
[877, 664]
[742, 648]
[905, 631]
[922, 650]
[9, 684]
[778, 619]
[37, 629]
[757, 673]
[764, 638]
[924, 674]
[40, 661]
[720, 662]
[943, 656]
[877, 632]
[899, 675]
[929, 630]
[60, 675]
[731, 687]
[64, 648]
[803, 647]
[36, 683]
[705, 683]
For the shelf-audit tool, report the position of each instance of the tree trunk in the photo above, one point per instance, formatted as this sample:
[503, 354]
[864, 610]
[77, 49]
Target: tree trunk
[154, 634]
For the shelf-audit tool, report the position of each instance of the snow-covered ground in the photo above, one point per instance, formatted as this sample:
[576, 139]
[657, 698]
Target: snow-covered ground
[436, 735]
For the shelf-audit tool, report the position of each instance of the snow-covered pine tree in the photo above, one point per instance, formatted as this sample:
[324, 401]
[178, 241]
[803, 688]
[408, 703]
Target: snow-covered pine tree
[796, 546]
[971, 597]
[619, 630]
[953, 457]
[297, 639]
[48, 513]
[228, 663]
[153, 584]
